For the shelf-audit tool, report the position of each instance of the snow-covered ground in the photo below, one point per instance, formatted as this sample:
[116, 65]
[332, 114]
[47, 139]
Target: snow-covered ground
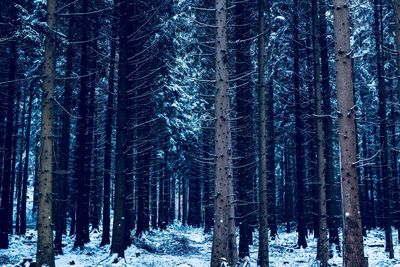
[181, 246]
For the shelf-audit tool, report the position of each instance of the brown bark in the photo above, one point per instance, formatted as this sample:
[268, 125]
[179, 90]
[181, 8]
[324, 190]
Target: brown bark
[45, 250]
[224, 240]
[352, 228]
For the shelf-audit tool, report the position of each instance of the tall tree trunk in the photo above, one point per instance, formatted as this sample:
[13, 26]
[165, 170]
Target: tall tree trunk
[20, 168]
[384, 158]
[82, 164]
[6, 205]
[331, 192]
[396, 4]
[263, 257]
[105, 237]
[118, 235]
[352, 228]
[45, 250]
[22, 228]
[224, 240]
[92, 152]
[299, 139]
[62, 176]
[322, 248]
[245, 158]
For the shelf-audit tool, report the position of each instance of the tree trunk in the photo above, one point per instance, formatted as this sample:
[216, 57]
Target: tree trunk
[384, 158]
[322, 248]
[194, 218]
[6, 205]
[396, 5]
[105, 238]
[224, 240]
[245, 158]
[352, 228]
[62, 177]
[331, 192]
[22, 228]
[82, 163]
[20, 169]
[263, 257]
[45, 250]
[299, 139]
[118, 235]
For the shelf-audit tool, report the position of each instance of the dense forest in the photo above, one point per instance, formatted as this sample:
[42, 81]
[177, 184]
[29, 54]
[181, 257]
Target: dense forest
[267, 129]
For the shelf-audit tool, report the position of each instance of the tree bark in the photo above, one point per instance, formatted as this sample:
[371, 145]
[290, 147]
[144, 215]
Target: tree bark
[396, 5]
[20, 168]
[82, 163]
[244, 152]
[119, 227]
[352, 228]
[224, 239]
[384, 158]
[62, 179]
[105, 238]
[263, 257]
[6, 204]
[299, 139]
[322, 247]
[331, 191]
[22, 228]
[45, 250]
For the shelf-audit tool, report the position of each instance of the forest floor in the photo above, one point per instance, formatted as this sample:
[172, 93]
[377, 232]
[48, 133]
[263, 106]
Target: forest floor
[181, 246]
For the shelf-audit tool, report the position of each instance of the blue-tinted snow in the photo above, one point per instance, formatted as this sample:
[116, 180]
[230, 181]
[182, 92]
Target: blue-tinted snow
[188, 247]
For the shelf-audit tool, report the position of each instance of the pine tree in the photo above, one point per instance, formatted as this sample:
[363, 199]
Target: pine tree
[299, 138]
[263, 257]
[118, 244]
[224, 240]
[45, 250]
[352, 228]
[322, 248]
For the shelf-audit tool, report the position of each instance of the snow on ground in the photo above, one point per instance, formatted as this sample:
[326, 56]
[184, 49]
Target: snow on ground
[181, 246]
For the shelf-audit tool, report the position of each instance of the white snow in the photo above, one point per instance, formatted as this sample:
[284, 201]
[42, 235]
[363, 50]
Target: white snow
[189, 247]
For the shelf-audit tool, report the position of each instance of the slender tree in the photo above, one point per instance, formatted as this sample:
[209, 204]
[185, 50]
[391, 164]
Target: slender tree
[322, 248]
[64, 147]
[224, 240]
[299, 138]
[45, 249]
[331, 192]
[263, 257]
[384, 157]
[7, 179]
[118, 236]
[352, 228]
[82, 163]
[244, 163]
[396, 7]
[105, 238]
[22, 227]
